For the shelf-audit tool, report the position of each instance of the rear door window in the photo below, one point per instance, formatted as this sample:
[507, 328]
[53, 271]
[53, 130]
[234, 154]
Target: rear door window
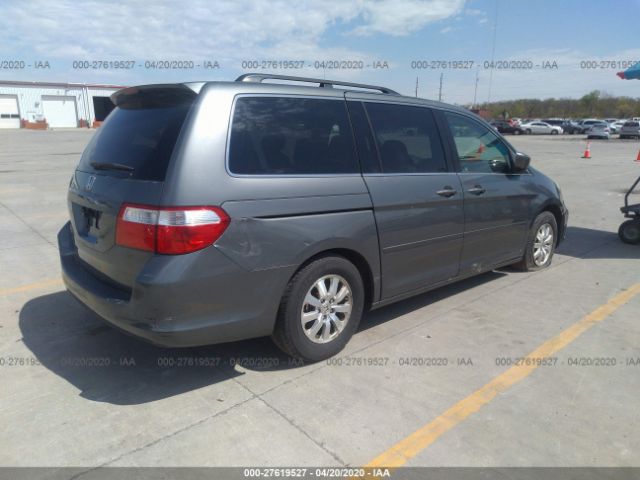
[291, 136]
[407, 137]
[136, 141]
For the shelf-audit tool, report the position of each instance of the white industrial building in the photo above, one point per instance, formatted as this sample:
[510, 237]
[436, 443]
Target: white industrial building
[60, 105]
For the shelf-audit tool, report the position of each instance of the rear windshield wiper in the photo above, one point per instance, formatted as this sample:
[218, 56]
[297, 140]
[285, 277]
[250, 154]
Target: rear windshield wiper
[111, 166]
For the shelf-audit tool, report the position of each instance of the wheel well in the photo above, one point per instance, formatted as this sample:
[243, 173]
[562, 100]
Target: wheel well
[358, 260]
[555, 210]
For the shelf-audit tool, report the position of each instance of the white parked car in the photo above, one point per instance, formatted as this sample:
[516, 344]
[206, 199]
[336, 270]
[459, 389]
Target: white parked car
[541, 128]
[616, 126]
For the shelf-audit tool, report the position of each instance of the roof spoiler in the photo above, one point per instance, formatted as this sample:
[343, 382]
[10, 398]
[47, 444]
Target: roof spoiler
[153, 95]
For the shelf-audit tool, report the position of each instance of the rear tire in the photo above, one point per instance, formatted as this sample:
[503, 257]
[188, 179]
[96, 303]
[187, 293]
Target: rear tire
[629, 232]
[320, 309]
[541, 244]
[516, 132]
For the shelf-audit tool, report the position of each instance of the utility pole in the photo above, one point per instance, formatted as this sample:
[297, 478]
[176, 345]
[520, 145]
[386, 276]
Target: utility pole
[416, 87]
[440, 91]
[475, 92]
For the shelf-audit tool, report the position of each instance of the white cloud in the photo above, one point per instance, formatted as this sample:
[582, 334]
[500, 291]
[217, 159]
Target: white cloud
[223, 29]
[404, 17]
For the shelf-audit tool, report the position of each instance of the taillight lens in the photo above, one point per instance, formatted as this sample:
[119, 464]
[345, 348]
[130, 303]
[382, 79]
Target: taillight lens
[169, 230]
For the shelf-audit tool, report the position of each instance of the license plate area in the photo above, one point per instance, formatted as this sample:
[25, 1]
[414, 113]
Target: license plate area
[88, 222]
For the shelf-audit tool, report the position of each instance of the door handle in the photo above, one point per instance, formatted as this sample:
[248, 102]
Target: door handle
[447, 192]
[477, 190]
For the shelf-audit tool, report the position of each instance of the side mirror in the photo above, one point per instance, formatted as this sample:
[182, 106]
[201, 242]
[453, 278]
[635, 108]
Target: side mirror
[521, 162]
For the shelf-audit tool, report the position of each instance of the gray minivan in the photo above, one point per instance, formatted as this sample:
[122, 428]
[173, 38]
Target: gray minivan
[218, 211]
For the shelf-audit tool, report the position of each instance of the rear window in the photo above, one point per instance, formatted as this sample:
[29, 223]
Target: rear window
[631, 124]
[139, 140]
[291, 136]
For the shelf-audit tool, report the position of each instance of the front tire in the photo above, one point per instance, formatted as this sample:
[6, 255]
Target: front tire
[554, 132]
[629, 232]
[541, 244]
[320, 309]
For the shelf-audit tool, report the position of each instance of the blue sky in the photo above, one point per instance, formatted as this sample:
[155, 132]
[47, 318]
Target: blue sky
[562, 35]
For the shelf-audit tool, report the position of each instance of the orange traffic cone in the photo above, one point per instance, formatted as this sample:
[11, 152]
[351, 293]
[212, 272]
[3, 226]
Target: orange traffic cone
[638, 157]
[587, 152]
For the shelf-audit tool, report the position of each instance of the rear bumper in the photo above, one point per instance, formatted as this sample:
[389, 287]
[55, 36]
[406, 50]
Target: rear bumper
[180, 301]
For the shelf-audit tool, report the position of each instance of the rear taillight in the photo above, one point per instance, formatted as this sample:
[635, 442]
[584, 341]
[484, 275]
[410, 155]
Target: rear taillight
[169, 230]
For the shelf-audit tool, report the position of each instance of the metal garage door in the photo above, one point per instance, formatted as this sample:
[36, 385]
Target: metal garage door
[9, 115]
[60, 111]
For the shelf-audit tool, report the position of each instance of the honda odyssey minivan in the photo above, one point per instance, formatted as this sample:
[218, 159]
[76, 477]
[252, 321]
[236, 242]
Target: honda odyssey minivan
[217, 211]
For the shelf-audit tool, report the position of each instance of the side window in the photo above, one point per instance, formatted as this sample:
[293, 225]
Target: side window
[479, 149]
[407, 138]
[291, 136]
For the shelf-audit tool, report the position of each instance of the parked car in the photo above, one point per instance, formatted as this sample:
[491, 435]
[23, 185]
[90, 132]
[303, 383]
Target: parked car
[571, 127]
[541, 128]
[506, 127]
[630, 129]
[599, 130]
[586, 124]
[212, 212]
[617, 126]
[566, 125]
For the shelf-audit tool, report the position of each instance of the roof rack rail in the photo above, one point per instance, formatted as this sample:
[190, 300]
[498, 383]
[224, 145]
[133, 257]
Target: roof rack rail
[259, 77]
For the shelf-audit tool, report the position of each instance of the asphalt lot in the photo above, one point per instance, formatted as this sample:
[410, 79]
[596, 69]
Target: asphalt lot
[138, 405]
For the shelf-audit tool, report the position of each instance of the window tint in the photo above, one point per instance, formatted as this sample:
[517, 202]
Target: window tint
[407, 138]
[141, 138]
[291, 136]
[479, 149]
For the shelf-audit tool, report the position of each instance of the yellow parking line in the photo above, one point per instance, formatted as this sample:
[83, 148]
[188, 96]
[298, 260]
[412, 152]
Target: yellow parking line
[409, 447]
[31, 286]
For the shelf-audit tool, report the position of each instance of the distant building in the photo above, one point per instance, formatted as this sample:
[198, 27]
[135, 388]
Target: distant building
[53, 105]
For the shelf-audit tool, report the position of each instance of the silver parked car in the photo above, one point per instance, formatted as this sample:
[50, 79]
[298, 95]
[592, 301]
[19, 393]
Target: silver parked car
[630, 129]
[599, 130]
[541, 128]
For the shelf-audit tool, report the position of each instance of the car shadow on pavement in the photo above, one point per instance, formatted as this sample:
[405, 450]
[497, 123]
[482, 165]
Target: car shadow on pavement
[109, 366]
[106, 365]
[588, 243]
[395, 310]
